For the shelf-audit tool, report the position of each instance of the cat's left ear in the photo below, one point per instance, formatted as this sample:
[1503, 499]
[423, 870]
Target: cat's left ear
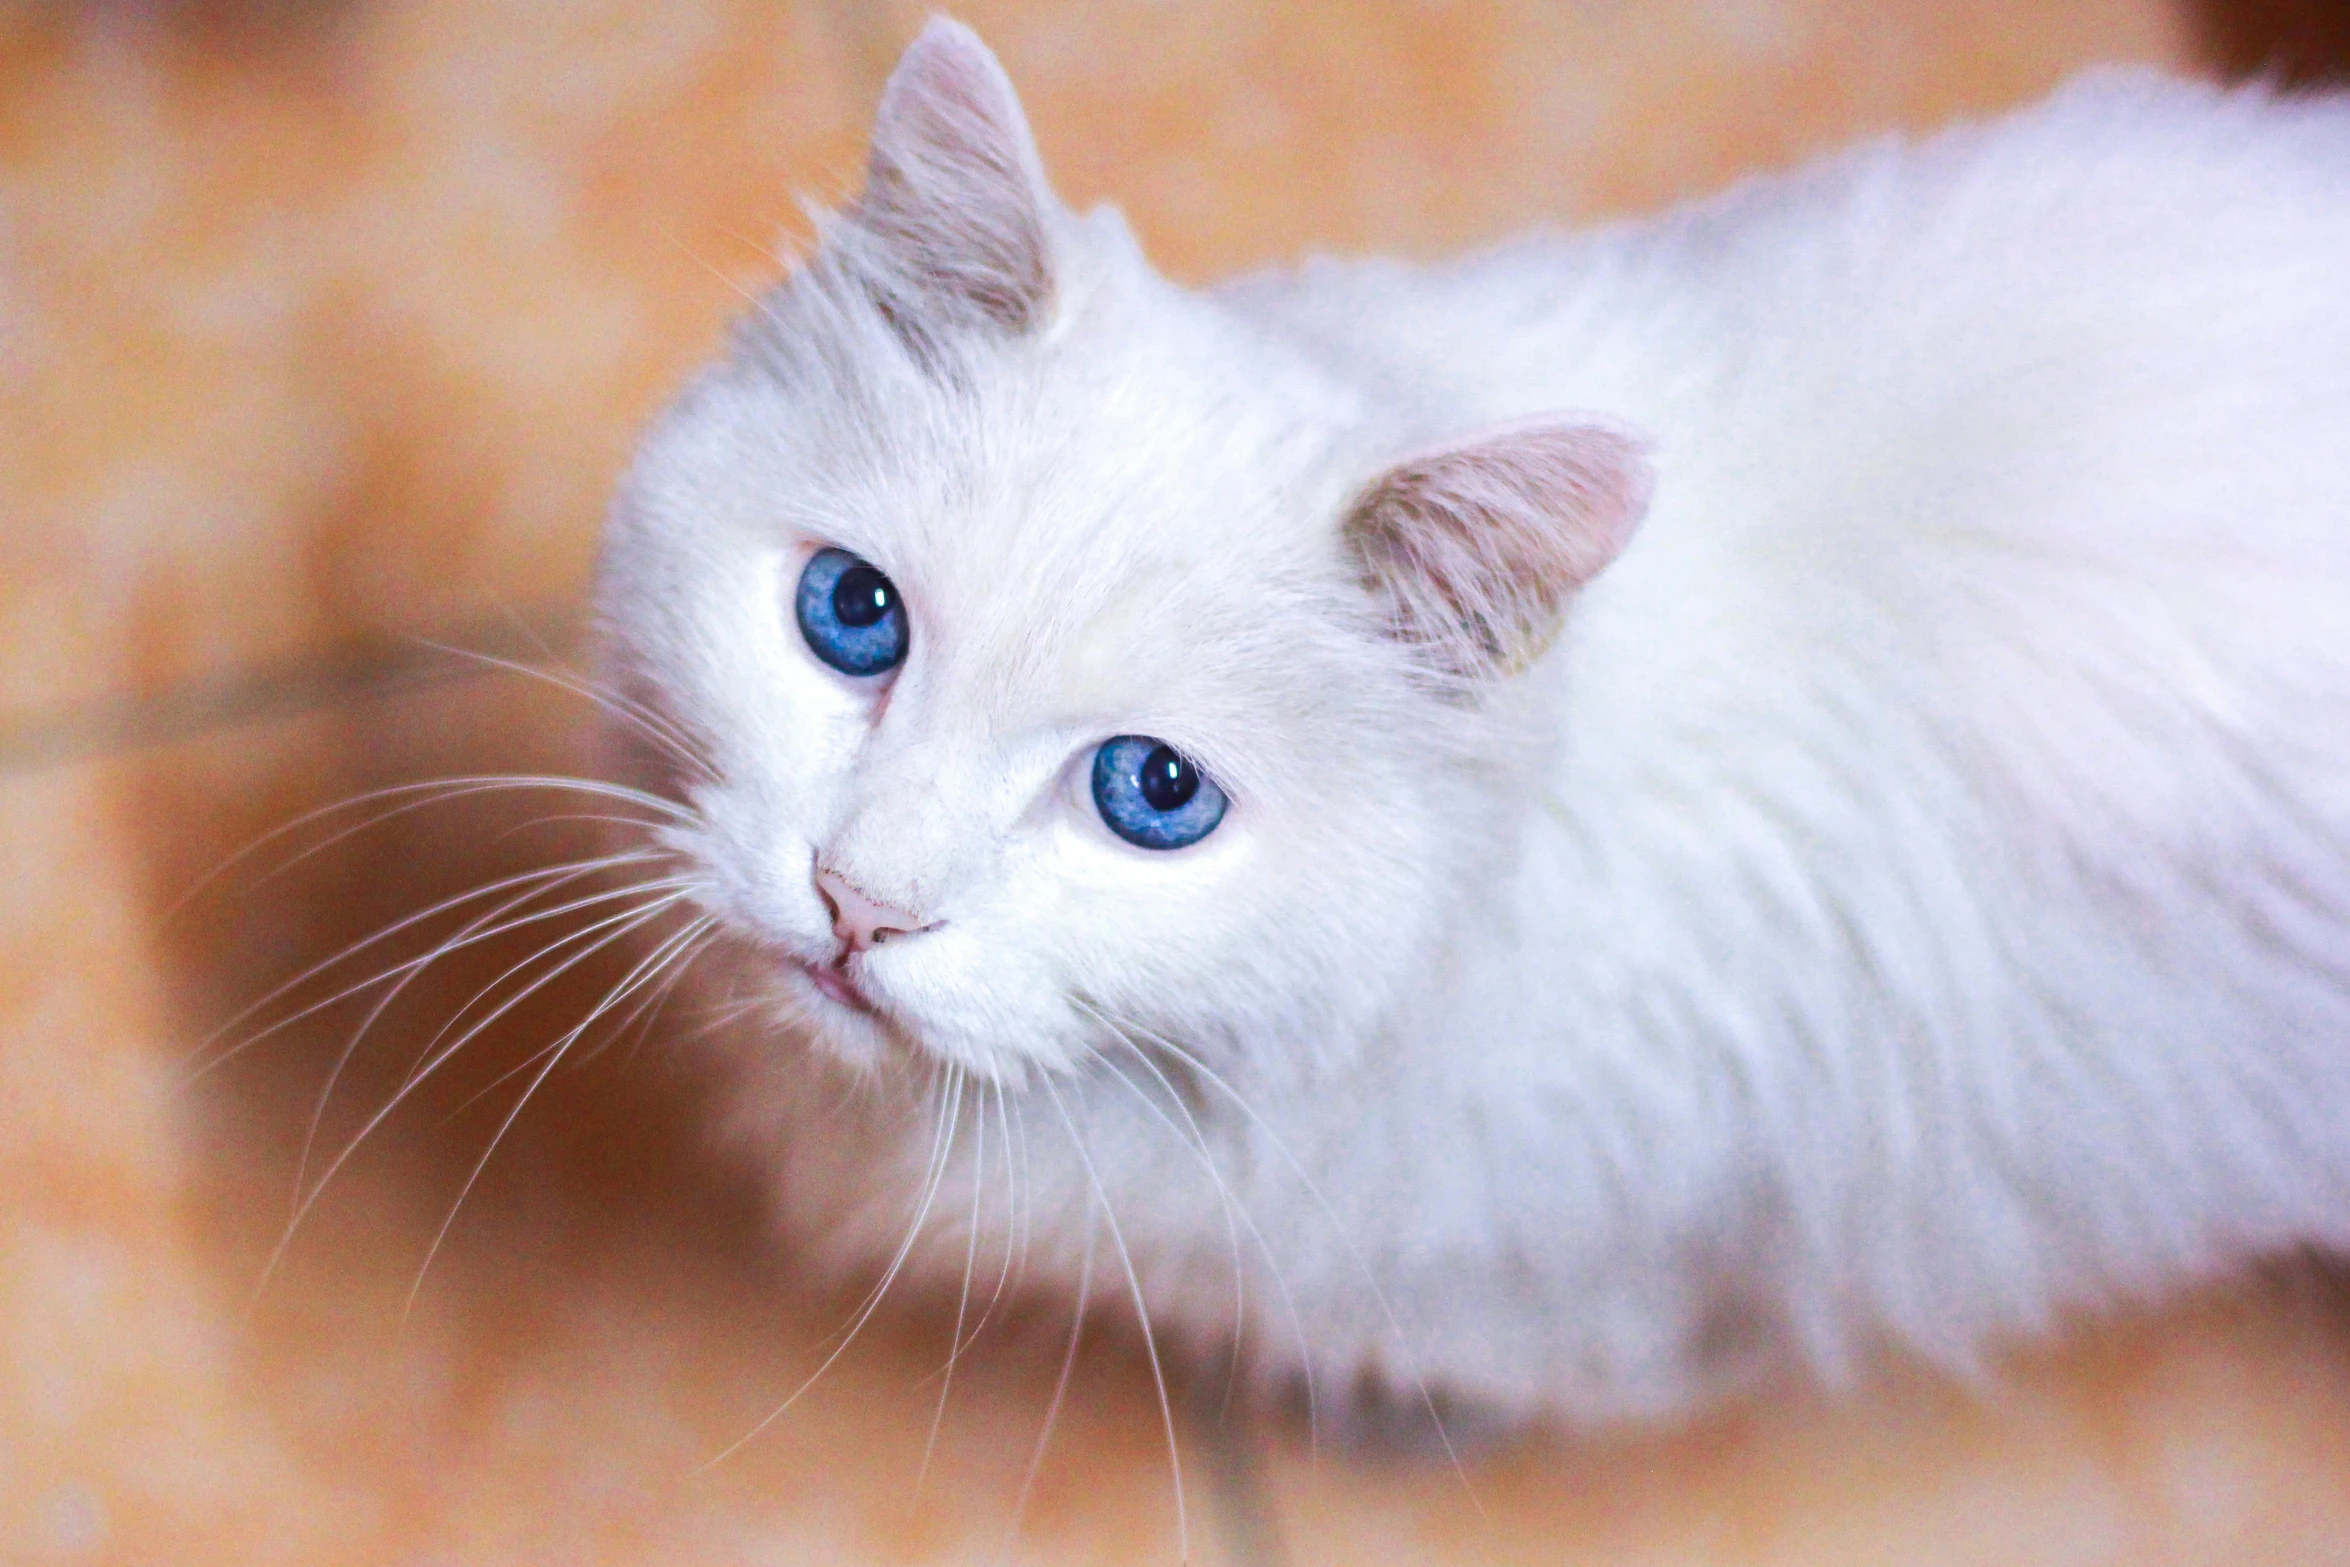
[955, 198]
[1472, 551]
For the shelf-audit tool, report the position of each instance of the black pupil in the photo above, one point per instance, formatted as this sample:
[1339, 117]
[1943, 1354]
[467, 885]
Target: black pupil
[861, 597]
[1167, 780]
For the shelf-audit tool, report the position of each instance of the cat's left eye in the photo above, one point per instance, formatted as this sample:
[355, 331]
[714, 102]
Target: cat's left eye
[1152, 795]
[850, 614]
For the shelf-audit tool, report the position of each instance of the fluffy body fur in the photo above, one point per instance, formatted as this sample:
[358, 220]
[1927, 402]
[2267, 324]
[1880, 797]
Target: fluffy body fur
[1903, 898]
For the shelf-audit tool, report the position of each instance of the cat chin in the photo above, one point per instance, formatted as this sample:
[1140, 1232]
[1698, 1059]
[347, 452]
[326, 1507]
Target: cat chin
[834, 983]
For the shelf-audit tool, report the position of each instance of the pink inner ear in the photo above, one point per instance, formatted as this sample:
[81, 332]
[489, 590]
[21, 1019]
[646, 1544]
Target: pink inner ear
[1475, 547]
[954, 189]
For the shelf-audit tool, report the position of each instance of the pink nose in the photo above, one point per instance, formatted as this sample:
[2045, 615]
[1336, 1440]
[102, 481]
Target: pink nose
[858, 920]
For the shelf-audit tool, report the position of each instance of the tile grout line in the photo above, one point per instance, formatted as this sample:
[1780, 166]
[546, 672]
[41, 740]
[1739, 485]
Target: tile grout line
[355, 669]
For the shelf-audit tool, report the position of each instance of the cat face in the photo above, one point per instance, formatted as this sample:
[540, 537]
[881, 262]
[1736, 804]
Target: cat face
[1062, 653]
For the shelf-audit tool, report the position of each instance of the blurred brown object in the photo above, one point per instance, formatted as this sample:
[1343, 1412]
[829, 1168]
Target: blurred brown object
[2303, 42]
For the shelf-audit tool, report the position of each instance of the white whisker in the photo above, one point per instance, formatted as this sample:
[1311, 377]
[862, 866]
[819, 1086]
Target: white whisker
[942, 1147]
[1142, 1310]
[963, 1300]
[648, 1011]
[416, 797]
[647, 968]
[673, 893]
[1233, 1209]
[482, 928]
[1345, 1239]
[1052, 1412]
[552, 876]
[667, 951]
[417, 1077]
[1011, 1205]
[643, 719]
[1025, 1220]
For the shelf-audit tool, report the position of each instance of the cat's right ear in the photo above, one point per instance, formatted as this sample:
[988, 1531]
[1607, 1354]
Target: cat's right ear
[1472, 551]
[956, 209]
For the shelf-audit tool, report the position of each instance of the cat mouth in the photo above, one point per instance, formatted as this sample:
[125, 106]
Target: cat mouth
[833, 981]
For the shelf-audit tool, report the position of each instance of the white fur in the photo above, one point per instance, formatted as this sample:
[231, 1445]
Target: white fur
[1910, 901]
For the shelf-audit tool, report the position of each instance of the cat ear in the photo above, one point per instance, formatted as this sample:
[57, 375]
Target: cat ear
[955, 200]
[1473, 550]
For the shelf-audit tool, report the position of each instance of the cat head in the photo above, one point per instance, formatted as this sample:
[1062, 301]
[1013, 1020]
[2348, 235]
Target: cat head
[1064, 652]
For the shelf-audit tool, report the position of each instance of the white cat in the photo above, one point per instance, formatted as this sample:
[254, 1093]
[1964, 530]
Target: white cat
[1573, 828]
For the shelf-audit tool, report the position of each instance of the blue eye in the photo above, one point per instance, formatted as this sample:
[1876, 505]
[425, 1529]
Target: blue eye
[851, 614]
[1151, 794]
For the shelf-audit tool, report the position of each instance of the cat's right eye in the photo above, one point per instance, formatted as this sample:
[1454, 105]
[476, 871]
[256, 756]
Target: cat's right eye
[1152, 795]
[850, 614]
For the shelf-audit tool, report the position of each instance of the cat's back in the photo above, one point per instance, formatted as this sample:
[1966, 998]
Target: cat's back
[2084, 368]
[2113, 251]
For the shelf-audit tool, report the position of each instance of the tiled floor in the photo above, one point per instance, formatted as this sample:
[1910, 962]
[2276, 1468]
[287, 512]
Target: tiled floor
[322, 325]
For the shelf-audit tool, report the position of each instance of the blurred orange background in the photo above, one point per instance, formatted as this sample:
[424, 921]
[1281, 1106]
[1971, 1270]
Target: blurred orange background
[324, 329]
